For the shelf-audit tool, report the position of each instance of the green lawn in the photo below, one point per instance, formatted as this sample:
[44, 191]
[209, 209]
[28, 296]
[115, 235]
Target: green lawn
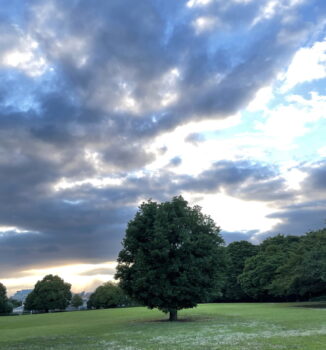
[209, 326]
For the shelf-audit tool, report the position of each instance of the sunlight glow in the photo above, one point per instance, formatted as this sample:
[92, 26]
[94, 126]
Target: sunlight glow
[80, 276]
[233, 214]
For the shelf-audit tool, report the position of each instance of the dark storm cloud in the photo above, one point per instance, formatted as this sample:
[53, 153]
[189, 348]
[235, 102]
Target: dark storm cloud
[316, 179]
[98, 104]
[301, 218]
[242, 179]
[310, 213]
[120, 53]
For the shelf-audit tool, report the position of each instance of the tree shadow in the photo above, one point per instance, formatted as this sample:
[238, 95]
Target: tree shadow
[317, 305]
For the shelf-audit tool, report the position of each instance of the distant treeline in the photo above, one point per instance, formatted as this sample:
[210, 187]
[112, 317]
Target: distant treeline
[281, 268]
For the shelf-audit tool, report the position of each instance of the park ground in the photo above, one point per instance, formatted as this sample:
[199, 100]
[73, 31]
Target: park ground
[209, 326]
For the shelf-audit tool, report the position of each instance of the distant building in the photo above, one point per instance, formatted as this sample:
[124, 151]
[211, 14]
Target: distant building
[18, 310]
[21, 295]
[85, 296]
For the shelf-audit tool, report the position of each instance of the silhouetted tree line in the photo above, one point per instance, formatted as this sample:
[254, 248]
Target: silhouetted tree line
[281, 268]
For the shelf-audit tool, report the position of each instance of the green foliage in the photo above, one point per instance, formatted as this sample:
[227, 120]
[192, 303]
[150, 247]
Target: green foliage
[171, 257]
[49, 294]
[109, 295]
[5, 305]
[15, 303]
[237, 253]
[262, 277]
[76, 300]
[287, 268]
[304, 272]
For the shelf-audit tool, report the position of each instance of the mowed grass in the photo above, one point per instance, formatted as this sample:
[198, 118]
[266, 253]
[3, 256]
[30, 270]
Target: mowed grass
[209, 326]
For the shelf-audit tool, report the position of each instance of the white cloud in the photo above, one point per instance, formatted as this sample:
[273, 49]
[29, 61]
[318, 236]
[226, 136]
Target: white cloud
[287, 122]
[6, 229]
[267, 11]
[234, 214]
[308, 64]
[262, 97]
[194, 159]
[274, 7]
[102, 182]
[204, 23]
[196, 3]
[322, 151]
[293, 177]
[26, 57]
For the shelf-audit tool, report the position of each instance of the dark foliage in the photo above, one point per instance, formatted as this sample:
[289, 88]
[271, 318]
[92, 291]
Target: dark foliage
[237, 253]
[287, 268]
[109, 295]
[51, 293]
[76, 300]
[171, 257]
[15, 303]
[5, 305]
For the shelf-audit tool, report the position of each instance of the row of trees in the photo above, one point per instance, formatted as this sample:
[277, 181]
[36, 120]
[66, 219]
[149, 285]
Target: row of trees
[174, 257]
[282, 268]
[52, 293]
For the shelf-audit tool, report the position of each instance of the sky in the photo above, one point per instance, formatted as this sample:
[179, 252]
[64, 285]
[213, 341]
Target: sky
[105, 104]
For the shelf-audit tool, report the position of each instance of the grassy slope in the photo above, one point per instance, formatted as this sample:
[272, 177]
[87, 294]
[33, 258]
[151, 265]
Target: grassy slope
[210, 326]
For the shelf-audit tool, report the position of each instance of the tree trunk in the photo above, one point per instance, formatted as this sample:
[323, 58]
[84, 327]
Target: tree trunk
[173, 315]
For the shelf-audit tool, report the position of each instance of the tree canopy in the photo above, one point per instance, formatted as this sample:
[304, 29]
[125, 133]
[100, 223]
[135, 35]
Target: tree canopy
[287, 268]
[237, 253]
[76, 300]
[50, 293]
[171, 257]
[5, 305]
[109, 295]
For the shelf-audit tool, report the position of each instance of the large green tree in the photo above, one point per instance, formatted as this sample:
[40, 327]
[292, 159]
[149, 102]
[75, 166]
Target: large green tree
[5, 305]
[49, 294]
[171, 257]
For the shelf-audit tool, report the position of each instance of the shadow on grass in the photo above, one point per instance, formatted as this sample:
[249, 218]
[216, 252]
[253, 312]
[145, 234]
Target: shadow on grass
[194, 319]
[313, 305]
[181, 320]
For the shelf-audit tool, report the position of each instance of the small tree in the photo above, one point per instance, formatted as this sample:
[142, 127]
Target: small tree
[15, 303]
[171, 257]
[109, 295]
[5, 306]
[49, 294]
[76, 301]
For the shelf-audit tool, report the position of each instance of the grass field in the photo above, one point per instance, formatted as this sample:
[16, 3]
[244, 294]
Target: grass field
[209, 326]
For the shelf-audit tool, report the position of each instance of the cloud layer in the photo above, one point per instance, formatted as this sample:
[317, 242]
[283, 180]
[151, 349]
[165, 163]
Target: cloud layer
[87, 91]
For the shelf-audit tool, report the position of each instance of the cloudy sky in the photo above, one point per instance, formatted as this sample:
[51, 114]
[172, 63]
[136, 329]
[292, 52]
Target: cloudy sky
[105, 104]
